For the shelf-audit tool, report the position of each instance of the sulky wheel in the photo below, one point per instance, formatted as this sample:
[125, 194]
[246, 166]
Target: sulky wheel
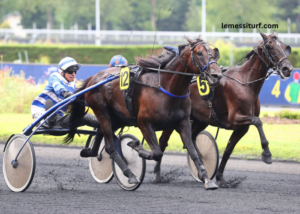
[208, 149]
[100, 167]
[18, 178]
[135, 163]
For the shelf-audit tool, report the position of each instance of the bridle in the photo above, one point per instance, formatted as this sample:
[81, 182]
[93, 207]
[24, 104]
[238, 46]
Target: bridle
[201, 68]
[271, 57]
[265, 51]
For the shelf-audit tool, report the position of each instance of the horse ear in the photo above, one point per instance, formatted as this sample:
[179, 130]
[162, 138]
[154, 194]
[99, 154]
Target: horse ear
[275, 33]
[217, 54]
[188, 39]
[288, 50]
[181, 48]
[200, 37]
[264, 36]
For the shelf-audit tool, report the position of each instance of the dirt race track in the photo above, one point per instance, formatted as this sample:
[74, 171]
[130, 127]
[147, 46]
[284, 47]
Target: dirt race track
[63, 184]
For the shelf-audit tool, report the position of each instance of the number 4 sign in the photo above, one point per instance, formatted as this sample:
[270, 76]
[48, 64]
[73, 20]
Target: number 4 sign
[276, 89]
[124, 78]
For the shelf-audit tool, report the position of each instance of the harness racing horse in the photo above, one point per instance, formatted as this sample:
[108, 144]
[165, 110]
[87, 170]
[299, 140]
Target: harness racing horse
[236, 101]
[166, 107]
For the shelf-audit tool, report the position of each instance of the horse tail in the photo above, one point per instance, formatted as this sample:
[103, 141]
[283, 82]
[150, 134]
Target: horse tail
[77, 111]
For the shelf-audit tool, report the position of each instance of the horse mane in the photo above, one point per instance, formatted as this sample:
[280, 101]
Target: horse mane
[159, 59]
[249, 54]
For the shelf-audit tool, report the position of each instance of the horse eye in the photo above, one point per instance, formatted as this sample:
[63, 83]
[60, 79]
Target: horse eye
[199, 53]
[269, 46]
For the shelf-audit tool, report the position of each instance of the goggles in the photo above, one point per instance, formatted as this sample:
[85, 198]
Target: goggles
[72, 69]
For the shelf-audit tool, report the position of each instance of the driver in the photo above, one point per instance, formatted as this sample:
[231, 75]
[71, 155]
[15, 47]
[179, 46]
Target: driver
[60, 86]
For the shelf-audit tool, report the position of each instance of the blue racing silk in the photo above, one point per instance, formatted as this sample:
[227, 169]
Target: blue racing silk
[55, 89]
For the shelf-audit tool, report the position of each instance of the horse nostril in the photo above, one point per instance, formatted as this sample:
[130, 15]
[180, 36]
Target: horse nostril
[285, 69]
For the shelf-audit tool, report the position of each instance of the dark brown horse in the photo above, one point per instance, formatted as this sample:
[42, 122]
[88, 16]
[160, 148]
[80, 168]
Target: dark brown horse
[155, 110]
[236, 101]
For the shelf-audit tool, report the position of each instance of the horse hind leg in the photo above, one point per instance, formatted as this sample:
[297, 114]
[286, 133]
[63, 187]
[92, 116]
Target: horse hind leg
[93, 152]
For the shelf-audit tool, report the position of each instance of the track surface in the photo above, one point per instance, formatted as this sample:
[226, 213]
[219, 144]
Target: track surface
[63, 184]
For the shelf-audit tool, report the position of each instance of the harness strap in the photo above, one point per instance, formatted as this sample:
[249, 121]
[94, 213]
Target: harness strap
[129, 94]
[214, 116]
[144, 84]
[163, 90]
[172, 72]
[173, 95]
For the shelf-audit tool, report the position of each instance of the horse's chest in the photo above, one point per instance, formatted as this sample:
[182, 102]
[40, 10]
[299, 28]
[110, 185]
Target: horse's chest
[170, 117]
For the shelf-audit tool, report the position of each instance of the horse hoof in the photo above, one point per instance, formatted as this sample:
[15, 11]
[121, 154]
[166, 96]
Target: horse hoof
[222, 183]
[266, 159]
[133, 180]
[86, 153]
[135, 144]
[210, 185]
[157, 178]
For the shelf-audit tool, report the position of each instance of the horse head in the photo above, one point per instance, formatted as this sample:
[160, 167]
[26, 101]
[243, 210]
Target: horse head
[277, 53]
[204, 58]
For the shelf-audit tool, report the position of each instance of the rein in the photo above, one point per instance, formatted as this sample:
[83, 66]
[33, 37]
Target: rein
[247, 83]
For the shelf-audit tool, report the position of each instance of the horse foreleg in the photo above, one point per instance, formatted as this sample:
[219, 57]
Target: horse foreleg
[184, 130]
[266, 154]
[163, 143]
[240, 120]
[234, 139]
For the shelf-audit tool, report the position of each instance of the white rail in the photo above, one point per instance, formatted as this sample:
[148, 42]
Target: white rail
[162, 37]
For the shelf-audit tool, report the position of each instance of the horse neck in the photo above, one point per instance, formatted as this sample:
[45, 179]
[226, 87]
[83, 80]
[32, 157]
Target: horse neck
[177, 84]
[253, 70]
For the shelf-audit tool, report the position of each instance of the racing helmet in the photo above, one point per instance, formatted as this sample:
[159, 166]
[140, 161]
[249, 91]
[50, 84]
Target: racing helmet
[117, 60]
[68, 63]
